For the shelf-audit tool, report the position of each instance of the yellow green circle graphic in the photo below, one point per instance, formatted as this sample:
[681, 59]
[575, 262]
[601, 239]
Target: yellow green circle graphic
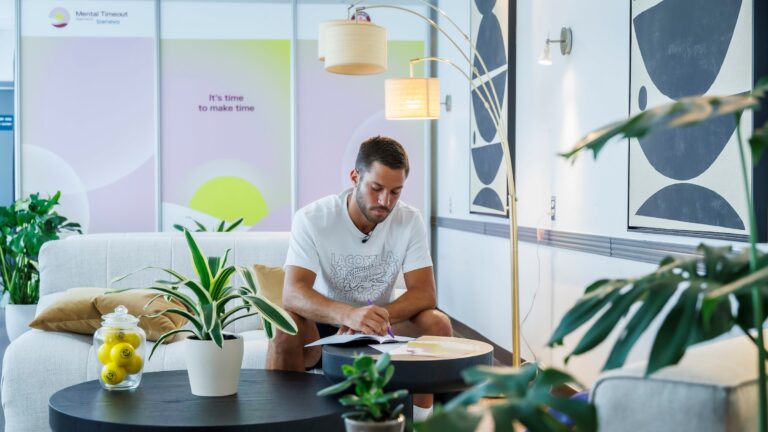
[230, 198]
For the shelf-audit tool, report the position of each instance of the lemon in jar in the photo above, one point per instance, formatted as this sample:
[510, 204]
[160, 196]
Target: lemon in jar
[103, 353]
[114, 336]
[122, 354]
[132, 338]
[112, 374]
[136, 364]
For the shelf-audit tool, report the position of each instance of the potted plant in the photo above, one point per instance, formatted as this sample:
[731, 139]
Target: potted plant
[373, 410]
[214, 357]
[527, 395]
[25, 226]
[711, 293]
[221, 227]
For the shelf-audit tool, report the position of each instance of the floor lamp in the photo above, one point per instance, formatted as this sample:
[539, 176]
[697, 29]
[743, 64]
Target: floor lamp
[356, 46]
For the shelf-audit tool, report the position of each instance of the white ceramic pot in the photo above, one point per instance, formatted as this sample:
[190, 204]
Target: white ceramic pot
[214, 371]
[397, 425]
[17, 319]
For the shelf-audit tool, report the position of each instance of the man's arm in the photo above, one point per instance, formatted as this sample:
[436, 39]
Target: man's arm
[299, 297]
[419, 295]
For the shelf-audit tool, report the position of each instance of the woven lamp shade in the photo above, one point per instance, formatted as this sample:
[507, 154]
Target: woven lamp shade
[412, 98]
[354, 48]
[321, 38]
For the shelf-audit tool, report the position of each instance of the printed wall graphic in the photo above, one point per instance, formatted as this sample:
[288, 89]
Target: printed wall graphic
[87, 116]
[490, 33]
[687, 180]
[226, 132]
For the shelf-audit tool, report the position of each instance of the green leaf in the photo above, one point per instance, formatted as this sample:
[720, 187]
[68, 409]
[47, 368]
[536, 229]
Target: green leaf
[608, 320]
[221, 280]
[268, 329]
[760, 276]
[203, 296]
[671, 340]
[194, 319]
[165, 336]
[234, 225]
[336, 388]
[449, 421]
[273, 313]
[215, 333]
[220, 228]
[382, 362]
[199, 261]
[585, 309]
[213, 264]
[659, 294]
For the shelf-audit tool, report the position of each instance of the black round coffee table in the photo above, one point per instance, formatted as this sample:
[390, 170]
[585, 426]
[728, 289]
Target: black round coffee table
[265, 401]
[417, 374]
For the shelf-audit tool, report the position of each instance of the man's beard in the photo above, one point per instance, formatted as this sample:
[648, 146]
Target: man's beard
[366, 211]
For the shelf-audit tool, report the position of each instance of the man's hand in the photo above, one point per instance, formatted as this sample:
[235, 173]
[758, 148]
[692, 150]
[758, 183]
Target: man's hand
[368, 319]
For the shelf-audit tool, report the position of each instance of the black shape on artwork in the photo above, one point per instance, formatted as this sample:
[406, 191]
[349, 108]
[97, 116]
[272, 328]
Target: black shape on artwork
[485, 6]
[488, 198]
[487, 160]
[482, 117]
[684, 42]
[642, 98]
[490, 44]
[685, 153]
[686, 202]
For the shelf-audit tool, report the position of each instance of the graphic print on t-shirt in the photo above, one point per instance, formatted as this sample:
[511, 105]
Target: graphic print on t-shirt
[360, 278]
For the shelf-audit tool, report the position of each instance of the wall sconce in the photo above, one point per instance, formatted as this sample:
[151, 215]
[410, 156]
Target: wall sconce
[566, 44]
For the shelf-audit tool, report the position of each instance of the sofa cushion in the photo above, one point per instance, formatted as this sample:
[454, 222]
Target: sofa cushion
[73, 312]
[713, 388]
[270, 280]
[79, 310]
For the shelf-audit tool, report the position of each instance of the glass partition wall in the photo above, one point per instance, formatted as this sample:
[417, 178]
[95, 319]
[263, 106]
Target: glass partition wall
[148, 113]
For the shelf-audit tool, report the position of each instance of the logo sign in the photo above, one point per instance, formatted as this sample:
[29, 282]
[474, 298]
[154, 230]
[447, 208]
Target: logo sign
[59, 17]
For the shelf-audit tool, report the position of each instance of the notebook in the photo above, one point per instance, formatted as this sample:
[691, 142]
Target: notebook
[342, 339]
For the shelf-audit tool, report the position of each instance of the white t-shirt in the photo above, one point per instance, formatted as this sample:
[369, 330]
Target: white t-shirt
[325, 241]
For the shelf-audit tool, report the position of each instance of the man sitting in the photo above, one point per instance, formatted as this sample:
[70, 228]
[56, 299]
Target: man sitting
[345, 254]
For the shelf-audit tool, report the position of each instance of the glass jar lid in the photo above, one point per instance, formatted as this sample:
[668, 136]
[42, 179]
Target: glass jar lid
[119, 318]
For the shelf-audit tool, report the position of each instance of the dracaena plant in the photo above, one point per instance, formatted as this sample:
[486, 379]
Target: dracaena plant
[220, 227]
[205, 298]
[25, 226]
[527, 399]
[368, 378]
[711, 293]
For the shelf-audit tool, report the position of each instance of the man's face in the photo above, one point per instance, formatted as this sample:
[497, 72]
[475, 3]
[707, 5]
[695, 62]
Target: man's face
[377, 190]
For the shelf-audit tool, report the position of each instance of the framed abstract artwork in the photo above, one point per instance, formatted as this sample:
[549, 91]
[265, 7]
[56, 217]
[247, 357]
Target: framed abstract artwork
[491, 23]
[687, 181]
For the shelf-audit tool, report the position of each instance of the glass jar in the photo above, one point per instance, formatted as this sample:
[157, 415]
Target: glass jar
[119, 347]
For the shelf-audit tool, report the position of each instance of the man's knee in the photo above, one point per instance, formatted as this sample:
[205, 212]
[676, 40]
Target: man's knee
[284, 341]
[434, 323]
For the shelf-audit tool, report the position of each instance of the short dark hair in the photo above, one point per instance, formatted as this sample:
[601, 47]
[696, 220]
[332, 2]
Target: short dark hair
[384, 150]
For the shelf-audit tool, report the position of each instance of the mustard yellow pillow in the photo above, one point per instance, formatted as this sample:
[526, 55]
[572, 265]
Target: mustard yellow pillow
[79, 310]
[270, 280]
[74, 312]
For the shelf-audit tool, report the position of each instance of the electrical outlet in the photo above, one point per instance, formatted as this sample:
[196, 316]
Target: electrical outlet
[552, 205]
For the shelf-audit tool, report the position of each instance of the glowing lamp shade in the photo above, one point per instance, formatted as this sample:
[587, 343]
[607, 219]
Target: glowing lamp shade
[354, 47]
[412, 98]
[545, 58]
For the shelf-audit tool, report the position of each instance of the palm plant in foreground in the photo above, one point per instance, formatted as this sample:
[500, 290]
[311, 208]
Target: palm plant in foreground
[715, 291]
[527, 399]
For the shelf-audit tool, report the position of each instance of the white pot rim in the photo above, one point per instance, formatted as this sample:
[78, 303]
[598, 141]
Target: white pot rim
[399, 419]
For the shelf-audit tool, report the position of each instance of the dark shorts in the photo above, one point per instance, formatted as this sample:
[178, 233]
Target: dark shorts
[324, 330]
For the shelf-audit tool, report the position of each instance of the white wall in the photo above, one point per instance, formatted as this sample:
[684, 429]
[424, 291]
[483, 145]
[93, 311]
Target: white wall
[556, 106]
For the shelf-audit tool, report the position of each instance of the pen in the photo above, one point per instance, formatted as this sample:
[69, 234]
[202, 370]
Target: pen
[389, 328]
